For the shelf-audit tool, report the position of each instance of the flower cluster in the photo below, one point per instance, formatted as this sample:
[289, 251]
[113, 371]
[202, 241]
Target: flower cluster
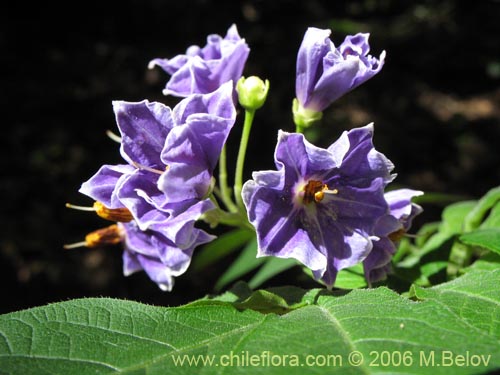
[170, 155]
[327, 208]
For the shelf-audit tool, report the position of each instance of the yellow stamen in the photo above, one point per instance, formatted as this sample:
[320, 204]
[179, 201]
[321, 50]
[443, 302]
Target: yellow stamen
[310, 189]
[111, 235]
[122, 214]
[316, 190]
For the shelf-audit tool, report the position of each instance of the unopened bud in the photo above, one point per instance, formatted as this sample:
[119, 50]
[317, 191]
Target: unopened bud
[252, 92]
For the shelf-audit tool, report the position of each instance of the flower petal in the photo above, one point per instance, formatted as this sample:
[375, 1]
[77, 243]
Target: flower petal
[300, 158]
[155, 269]
[279, 232]
[378, 263]
[325, 73]
[315, 45]
[400, 203]
[194, 146]
[203, 70]
[102, 186]
[361, 162]
[144, 127]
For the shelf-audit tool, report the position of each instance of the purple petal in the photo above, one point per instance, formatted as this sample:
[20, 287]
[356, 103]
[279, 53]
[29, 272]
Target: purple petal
[181, 229]
[345, 249]
[193, 77]
[356, 207]
[140, 194]
[400, 204]
[157, 255]
[144, 128]
[218, 104]
[203, 70]
[361, 162]
[155, 269]
[325, 73]
[300, 158]
[356, 45]
[194, 146]
[338, 78]
[278, 227]
[315, 45]
[102, 186]
[378, 263]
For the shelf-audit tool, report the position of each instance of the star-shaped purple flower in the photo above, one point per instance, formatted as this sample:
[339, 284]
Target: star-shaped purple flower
[320, 206]
[203, 70]
[390, 229]
[325, 73]
[171, 156]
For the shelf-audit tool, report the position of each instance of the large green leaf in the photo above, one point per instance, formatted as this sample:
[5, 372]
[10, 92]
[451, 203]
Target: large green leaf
[493, 219]
[486, 238]
[476, 216]
[451, 328]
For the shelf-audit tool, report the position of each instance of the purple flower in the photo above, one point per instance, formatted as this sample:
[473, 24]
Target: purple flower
[325, 73]
[390, 229]
[171, 155]
[320, 206]
[164, 252]
[203, 70]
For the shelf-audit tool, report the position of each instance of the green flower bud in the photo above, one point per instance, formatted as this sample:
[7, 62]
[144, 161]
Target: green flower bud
[302, 117]
[252, 92]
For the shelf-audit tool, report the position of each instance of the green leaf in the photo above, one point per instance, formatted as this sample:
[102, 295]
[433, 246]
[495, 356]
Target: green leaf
[454, 215]
[272, 267]
[351, 278]
[441, 241]
[246, 262]
[220, 247]
[486, 238]
[432, 335]
[493, 219]
[427, 270]
[487, 262]
[427, 230]
[476, 216]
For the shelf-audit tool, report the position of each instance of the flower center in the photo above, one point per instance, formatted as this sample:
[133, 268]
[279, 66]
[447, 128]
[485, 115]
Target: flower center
[314, 191]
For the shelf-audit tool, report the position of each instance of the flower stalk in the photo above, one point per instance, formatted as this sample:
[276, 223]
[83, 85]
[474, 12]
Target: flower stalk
[225, 192]
[240, 162]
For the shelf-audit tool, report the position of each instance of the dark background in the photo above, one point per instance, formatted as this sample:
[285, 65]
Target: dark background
[435, 106]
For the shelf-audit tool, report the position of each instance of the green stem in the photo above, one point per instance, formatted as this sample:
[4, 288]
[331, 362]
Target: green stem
[299, 129]
[238, 180]
[225, 193]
